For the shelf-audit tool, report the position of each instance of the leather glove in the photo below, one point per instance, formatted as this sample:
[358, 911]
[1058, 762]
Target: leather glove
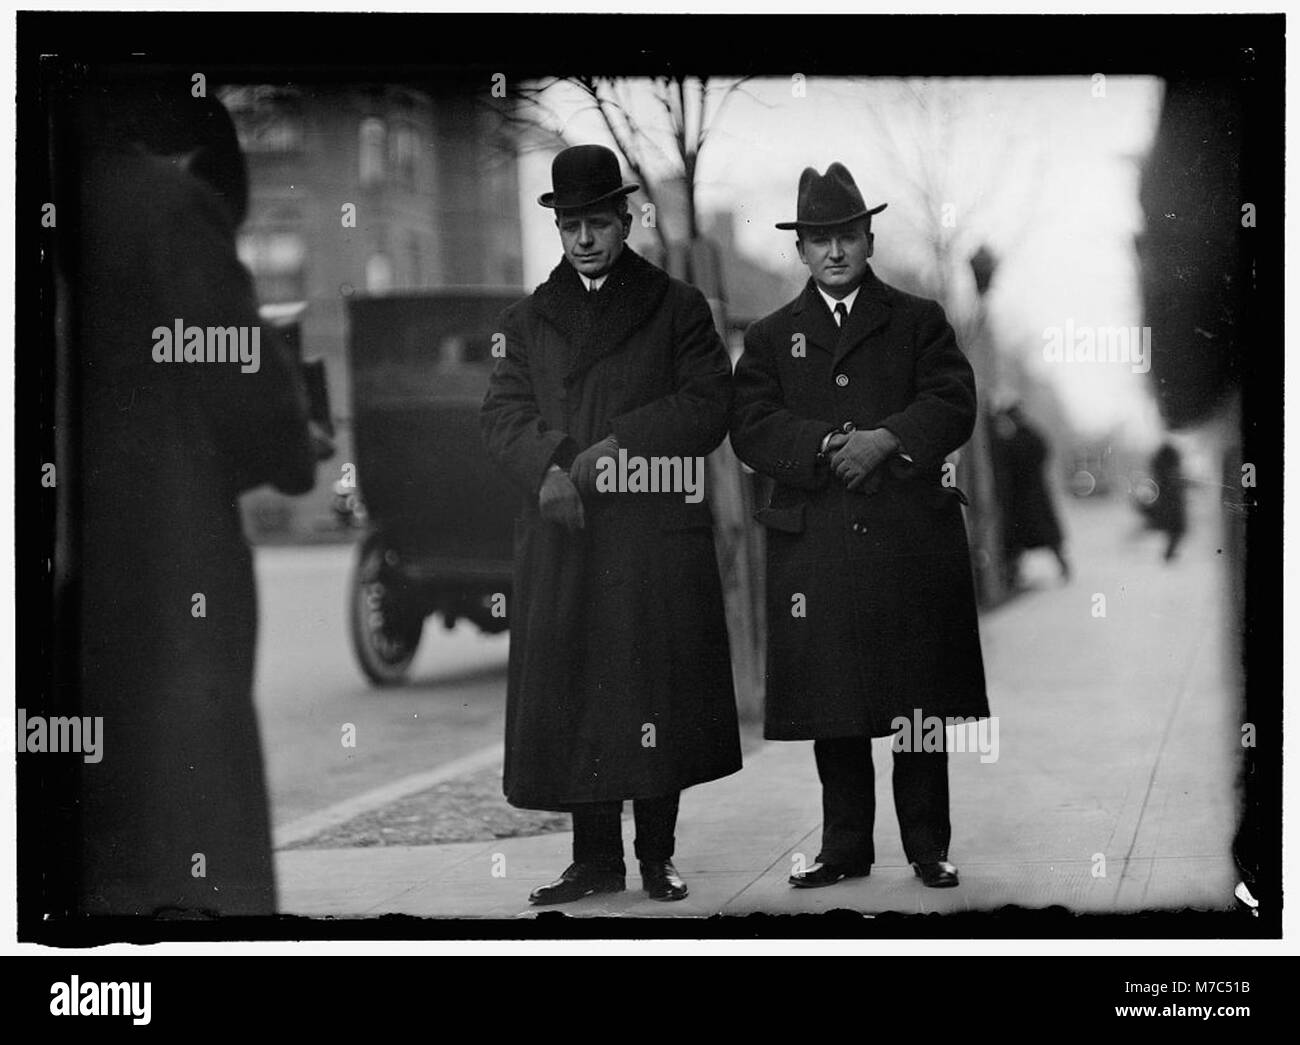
[861, 454]
[583, 469]
[560, 501]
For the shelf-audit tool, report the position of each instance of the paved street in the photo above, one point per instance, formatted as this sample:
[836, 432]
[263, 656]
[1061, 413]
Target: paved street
[1112, 789]
[309, 687]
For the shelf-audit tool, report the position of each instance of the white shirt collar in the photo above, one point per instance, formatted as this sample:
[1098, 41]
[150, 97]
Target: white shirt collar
[593, 284]
[847, 301]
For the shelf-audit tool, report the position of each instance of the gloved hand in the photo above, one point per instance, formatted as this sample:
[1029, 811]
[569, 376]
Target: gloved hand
[583, 469]
[833, 442]
[861, 454]
[559, 500]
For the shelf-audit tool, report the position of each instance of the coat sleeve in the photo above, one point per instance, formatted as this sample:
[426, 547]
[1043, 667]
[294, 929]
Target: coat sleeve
[691, 420]
[515, 434]
[258, 417]
[767, 435]
[941, 416]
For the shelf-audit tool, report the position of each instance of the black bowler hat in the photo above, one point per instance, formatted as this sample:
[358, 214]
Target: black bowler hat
[830, 199]
[582, 175]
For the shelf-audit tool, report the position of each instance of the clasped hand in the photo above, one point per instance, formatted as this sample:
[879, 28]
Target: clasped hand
[859, 453]
[560, 498]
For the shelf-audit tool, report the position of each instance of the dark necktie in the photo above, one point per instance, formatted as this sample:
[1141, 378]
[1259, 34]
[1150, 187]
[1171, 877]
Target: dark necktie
[841, 313]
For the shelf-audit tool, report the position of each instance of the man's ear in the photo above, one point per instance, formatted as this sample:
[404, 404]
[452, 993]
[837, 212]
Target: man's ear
[627, 224]
[798, 245]
[871, 243]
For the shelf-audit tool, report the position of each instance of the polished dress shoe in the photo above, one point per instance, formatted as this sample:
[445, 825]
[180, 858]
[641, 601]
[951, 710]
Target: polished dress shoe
[820, 875]
[937, 875]
[579, 880]
[661, 880]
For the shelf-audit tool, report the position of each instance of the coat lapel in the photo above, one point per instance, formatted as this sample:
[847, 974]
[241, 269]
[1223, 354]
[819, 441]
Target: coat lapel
[814, 321]
[594, 328]
[871, 311]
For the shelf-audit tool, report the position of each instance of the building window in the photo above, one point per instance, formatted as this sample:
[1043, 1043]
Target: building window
[379, 274]
[373, 142]
[277, 261]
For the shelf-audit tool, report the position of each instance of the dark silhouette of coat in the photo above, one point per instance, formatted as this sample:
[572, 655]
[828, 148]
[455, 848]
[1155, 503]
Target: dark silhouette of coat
[1167, 512]
[175, 816]
[620, 676]
[871, 605]
[1020, 454]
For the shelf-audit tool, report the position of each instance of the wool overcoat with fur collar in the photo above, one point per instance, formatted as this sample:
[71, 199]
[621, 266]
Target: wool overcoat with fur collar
[620, 676]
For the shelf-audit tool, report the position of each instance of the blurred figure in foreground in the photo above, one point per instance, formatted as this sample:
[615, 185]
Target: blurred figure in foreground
[1166, 510]
[174, 819]
[1029, 518]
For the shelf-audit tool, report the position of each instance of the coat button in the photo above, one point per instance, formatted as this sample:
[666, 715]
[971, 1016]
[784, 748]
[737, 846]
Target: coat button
[859, 528]
[842, 380]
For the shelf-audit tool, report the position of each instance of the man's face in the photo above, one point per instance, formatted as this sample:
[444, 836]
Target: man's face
[836, 255]
[593, 237]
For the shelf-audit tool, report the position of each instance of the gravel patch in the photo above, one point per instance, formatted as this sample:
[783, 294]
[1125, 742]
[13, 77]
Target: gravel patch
[466, 809]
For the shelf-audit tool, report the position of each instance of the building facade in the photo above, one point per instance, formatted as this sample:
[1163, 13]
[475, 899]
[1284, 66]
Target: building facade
[366, 190]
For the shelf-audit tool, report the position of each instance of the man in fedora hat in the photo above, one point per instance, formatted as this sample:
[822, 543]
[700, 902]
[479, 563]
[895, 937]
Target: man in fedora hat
[620, 676]
[850, 397]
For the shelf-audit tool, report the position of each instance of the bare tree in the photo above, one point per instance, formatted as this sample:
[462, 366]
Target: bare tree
[952, 205]
[951, 194]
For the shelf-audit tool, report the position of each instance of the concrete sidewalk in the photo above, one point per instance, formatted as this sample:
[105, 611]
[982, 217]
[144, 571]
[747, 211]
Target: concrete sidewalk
[1112, 792]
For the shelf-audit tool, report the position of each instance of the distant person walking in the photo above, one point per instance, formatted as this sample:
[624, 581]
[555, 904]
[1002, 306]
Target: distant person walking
[1167, 509]
[1029, 518]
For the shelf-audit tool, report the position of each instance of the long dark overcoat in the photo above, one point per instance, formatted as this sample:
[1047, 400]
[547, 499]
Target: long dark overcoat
[174, 817]
[620, 676]
[871, 605]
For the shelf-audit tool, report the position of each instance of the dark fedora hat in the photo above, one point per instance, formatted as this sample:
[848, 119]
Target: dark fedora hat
[829, 199]
[582, 175]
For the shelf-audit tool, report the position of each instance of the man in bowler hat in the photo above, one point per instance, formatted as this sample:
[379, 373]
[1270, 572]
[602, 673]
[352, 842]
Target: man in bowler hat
[620, 676]
[850, 397]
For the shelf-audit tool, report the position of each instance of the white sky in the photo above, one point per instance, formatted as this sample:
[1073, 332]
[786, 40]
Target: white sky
[1044, 171]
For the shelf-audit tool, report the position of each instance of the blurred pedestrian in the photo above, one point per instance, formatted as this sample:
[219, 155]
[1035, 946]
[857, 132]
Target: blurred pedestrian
[174, 819]
[620, 675]
[1165, 507]
[1029, 518]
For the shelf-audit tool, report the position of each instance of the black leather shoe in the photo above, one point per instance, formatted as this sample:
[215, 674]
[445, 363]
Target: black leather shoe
[938, 875]
[660, 879]
[579, 880]
[820, 875]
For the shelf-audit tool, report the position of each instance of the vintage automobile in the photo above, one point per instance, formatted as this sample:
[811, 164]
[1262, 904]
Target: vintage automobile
[439, 514]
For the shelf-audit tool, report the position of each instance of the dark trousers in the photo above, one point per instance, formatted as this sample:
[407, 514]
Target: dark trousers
[849, 801]
[598, 830]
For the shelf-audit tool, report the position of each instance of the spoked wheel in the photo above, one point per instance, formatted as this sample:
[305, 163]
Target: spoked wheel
[385, 630]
